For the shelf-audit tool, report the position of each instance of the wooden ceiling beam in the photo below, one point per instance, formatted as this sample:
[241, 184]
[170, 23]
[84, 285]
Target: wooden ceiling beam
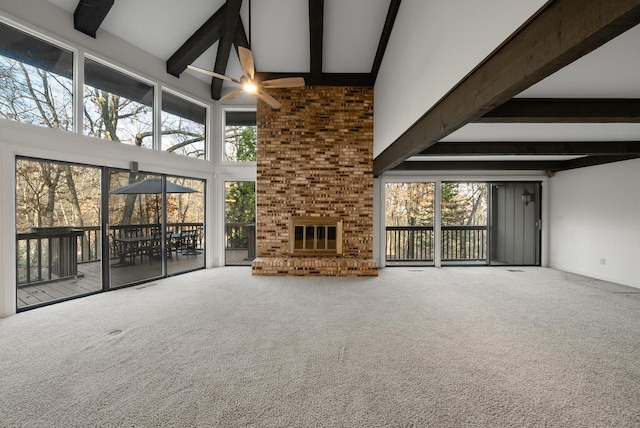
[394, 6]
[480, 166]
[552, 166]
[564, 110]
[562, 31]
[316, 35]
[224, 46]
[608, 148]
[89, 15]
[596, 160]
[240, 38]
[209, 33]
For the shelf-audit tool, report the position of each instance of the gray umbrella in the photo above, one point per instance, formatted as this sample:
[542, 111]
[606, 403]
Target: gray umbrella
[151, 186]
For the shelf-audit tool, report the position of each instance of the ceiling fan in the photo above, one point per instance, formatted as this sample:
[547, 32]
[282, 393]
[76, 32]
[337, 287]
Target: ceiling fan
[249, 84]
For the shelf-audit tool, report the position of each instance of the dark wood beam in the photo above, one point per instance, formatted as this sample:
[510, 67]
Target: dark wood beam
[240, 38]
[326, 79]
[480, 166]
[316, 34]
[89, 15]
[552, 166]
[209, 33]
[224, 46]
[596, 160]
[384, 38]
[562, 110]
[608, 148]
[563, 31]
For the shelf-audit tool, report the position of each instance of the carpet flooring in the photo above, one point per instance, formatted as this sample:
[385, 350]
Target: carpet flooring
[450, 347]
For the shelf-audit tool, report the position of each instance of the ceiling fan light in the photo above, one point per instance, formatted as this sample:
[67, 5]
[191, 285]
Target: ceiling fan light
[250, 87]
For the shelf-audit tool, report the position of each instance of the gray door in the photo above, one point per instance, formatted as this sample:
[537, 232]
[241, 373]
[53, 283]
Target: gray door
[515, 214]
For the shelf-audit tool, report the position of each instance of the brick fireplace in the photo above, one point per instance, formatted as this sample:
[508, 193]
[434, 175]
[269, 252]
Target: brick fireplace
[315, 166]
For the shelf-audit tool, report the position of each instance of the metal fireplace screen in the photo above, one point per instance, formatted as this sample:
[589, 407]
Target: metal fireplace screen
[311, 236]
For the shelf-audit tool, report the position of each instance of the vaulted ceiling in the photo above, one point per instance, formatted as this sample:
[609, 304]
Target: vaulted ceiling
[330, 42]
[555, 106]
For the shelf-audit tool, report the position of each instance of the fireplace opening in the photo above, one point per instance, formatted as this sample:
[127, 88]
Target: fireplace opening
[315, 236]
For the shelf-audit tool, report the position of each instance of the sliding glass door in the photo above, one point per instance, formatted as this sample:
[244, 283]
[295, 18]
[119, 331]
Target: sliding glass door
[409, 221]
[85, 229]
[148, 237]
[135, 219]
[185, 243]
[58, 245]
[462, 223]
[464, 230]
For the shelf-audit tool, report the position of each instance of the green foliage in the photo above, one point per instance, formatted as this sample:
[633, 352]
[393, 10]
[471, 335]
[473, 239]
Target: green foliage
[240, 143]
[240, 202]
[247, 146]
[240, 198]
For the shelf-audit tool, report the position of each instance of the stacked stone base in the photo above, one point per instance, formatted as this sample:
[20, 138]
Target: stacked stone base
[307, 266]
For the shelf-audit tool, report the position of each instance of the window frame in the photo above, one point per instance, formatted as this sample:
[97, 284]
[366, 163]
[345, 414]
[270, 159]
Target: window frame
[154, 107]
[76, 54]
[207, 122]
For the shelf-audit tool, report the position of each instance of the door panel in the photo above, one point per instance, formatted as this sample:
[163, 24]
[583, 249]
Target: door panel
[135, 219]
[515, 238]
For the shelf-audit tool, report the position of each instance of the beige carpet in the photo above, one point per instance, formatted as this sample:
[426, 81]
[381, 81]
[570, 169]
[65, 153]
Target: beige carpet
[413, 347]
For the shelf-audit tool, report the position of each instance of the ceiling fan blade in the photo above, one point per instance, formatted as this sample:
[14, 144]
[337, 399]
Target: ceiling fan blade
[286, 82]
[231, 95]
[212, 73]
[269, 99]
[246, 61]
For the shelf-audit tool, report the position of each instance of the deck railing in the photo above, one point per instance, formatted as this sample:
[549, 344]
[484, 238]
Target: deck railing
[53, 253]
[417, 243]
[241, 236]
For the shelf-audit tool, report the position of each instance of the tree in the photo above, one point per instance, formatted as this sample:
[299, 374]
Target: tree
[240, 202]
[240, 143]
[48, 189]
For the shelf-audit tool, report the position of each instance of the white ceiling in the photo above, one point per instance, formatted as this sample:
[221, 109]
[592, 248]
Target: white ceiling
[352, 28]
[608, 72]
[612, 71]
[279, 31]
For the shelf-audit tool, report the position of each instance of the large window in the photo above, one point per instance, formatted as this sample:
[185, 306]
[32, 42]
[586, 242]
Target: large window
[36, 80]
[409, 221]
[117, 107]
[37, 87]
[240, 222]
[240, 136]
[464, 223]
[183, 126]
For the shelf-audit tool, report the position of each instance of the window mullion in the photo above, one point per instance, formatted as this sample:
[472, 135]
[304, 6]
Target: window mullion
[157, 118]
[78, 93]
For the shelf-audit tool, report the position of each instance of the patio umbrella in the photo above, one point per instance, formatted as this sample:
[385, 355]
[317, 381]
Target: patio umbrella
[151, 186]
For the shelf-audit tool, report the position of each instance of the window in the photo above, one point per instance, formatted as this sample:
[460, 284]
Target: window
[409, 221]
[117, 107]
[240, 222]
[240, 136]
[183, 126]
[36, 80]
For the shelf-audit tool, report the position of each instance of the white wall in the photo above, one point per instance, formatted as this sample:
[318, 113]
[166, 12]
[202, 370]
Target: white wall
[433, 45]
[595, 215]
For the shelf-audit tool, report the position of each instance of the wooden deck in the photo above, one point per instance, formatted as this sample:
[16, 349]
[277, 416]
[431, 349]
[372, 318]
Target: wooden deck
[237, 258]
[90, 279]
